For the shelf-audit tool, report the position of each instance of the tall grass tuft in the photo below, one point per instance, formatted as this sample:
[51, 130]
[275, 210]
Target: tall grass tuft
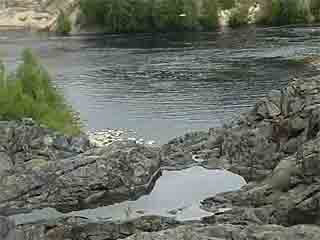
[29, 93]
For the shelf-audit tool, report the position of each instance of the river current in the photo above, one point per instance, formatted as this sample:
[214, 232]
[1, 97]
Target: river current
[162, 86]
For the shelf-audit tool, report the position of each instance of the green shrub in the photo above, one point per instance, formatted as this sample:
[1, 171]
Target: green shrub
[238, 17]
[145, 15]
[284, 12]
[315, 9]
[29, 93]
[63, 24]
[93, 11]
[209, 18]
[227, 4]
[169, 15]
[190, 20]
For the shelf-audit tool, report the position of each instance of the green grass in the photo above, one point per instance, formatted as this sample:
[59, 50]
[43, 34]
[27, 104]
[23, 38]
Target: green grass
[29, 93]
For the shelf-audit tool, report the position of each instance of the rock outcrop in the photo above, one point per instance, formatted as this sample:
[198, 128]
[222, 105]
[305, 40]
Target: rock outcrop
[254, 145]
[233, 232]
[44, 169]
[82, 229]
[35, 14]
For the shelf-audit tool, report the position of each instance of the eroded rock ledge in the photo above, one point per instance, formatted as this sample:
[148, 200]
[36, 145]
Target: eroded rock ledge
[40, 168]
[253, 146]
[276, 146]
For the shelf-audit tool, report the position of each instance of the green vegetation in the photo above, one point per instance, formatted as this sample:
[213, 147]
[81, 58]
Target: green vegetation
[315, 9]
[119, 16]
[29, 93]
[209, 18]
[227, 4]
[149, 15]
[284, 12]
[63, 24]
[238, 17]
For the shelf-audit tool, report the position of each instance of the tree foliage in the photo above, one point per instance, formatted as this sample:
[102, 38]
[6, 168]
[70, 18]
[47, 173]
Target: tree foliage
[148, 15]
[63, 24]
[29, 93]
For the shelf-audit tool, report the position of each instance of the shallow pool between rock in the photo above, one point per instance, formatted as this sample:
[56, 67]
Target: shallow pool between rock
[176, 194]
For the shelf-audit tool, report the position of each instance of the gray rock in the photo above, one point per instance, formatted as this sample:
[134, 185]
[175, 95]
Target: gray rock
[83, 229]
[275, 96]
[267, 109]
[231, 232]
[297, 125]
[5, 162]
[7, 229]
[26, 140]
[98, 177]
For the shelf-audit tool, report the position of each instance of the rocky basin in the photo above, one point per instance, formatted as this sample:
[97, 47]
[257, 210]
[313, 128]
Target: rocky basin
[275, 147]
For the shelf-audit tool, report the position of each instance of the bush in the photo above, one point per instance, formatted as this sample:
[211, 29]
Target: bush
[209, 18]
[93, 11]
[284, 12]
[315, 9]
[63, 24]
[238, 17]
[227, 4]
[29, 93]
[144, 15]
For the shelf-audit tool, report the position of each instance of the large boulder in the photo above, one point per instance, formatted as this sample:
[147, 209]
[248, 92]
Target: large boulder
[290, 195]
[97, 177]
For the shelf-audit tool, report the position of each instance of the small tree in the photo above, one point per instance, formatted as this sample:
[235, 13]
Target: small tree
[29, 93]
[63, 24]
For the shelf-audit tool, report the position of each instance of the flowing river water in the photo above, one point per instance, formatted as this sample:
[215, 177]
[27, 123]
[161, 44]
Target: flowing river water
[162, 86]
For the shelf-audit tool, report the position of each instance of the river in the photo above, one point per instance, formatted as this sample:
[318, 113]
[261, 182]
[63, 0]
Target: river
[165, 85]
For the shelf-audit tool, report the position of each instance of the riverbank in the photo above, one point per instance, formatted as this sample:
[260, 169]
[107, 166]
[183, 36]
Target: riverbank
[109, 16]
[275, 146]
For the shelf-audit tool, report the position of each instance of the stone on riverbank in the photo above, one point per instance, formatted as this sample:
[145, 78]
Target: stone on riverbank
[254, 145]
[82, 229]
[51, 170]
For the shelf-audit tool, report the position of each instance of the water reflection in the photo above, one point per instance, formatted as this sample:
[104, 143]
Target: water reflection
[176, 194]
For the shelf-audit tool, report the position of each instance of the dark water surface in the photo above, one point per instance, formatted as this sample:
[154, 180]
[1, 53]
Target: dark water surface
[162, 86]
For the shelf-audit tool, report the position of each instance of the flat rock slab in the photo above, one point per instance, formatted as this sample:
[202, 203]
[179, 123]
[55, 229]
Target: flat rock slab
[101, 176]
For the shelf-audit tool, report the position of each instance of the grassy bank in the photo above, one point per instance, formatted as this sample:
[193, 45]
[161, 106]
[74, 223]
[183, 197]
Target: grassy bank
[29, 93]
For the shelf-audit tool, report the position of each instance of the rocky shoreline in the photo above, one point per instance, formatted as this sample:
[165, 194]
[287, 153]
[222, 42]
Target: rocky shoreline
[275, 147]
